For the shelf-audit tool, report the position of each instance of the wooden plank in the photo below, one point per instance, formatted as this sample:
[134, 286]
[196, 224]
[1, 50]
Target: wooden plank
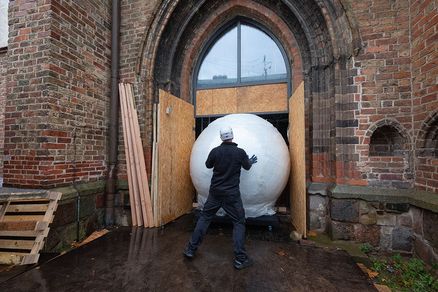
[127, 155]
[23, 225]
[15, 218]
[30, 259]
[24, 197]
[16, 244]
[156, 169]
[136, 162]
[54, 195]
[19, 233]
[298, 198]
[38, 244]
[3, 210]
[48, 217]
[154, 165]
[144, 184]
[130, 162]
[41, 225]
[20, 208]
[176, 138]
[245, 99]
[7, 258]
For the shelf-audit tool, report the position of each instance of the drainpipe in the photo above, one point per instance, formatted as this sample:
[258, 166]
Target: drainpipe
[114, 115]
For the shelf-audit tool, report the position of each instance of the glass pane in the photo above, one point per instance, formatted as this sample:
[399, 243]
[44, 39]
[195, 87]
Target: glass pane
[261, 58]
[220, 64]
[4, 23]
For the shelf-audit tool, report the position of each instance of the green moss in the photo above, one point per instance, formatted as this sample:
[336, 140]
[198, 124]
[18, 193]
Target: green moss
[351, 247]
[84, 189]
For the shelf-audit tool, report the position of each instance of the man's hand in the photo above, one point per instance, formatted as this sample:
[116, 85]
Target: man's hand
[253, 159]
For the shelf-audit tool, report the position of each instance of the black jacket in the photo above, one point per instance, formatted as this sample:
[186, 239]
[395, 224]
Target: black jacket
[226, 161]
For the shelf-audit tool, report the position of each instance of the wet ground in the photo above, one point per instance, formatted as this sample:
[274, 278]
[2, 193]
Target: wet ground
[151, 260]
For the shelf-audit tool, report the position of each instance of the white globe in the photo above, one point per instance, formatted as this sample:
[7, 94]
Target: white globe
[261, 186]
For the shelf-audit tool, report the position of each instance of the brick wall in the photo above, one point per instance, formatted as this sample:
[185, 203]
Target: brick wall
[384, 87]
[3, 64]
[136, 18]
[58, 92]
[58, 81]
[424, 28]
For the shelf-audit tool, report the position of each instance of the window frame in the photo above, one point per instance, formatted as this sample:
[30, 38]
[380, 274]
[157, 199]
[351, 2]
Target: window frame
[5, 48]
[221, 32]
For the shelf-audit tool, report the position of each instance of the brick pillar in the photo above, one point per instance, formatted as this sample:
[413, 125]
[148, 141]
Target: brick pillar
[57, 92]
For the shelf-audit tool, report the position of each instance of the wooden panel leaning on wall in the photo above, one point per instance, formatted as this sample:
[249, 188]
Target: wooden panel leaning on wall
[297, 144]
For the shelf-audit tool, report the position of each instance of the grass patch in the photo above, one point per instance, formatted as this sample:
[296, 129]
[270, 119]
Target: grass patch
[366, 248]
[402, 274]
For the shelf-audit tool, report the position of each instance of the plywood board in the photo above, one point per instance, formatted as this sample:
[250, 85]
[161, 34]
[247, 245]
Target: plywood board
[262, 98]
[298, 197]
[175, 140]
[245, 99]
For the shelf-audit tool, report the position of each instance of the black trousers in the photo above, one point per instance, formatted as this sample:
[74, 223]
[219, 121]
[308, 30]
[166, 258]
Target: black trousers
[232, 204]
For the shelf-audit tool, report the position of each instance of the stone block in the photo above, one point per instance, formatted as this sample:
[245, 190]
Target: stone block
[87, 206]
[365, 207]
[369, 218]
[386, 237]
[402, 239]
[404, 219]
[315, 222]
[424, 251]
[397, 207]
[367, 233]
[341, 230]
[378, 205]
[345, 210]
[52, 240]
[386, 219]
[430, 227]
[65, 214]
[318, 203]
[60, 238]
[417, 220]
[401, 184]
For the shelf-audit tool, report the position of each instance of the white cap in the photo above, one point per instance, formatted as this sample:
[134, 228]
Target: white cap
[226, 133]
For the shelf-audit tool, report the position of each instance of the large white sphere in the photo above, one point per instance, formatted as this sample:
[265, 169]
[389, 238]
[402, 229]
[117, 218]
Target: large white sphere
[261, 186]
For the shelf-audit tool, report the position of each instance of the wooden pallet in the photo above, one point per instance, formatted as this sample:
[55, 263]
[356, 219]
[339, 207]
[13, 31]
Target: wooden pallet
[24, 225]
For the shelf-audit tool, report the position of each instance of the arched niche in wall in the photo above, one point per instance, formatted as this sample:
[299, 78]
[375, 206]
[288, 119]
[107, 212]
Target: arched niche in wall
[427, 143]
[389, 160]
[387, 141]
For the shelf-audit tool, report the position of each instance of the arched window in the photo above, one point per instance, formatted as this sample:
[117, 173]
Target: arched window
[4, 23]
[242, 55]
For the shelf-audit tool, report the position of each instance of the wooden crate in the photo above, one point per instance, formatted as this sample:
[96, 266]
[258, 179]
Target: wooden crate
[24, 225]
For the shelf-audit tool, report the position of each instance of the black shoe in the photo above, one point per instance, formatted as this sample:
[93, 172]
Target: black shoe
[238, 264]
[188, 253]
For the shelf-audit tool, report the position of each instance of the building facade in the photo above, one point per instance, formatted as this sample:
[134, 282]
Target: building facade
[371, 108]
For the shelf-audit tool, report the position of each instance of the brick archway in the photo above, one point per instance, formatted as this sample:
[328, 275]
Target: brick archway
[319, 39]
